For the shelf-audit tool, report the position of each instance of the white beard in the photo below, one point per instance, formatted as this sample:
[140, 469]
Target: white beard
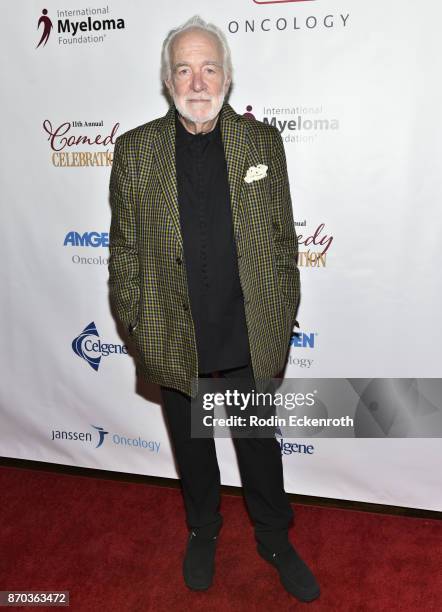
[217, 103]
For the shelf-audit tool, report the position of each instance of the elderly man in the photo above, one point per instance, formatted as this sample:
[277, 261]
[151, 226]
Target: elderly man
[203, 275]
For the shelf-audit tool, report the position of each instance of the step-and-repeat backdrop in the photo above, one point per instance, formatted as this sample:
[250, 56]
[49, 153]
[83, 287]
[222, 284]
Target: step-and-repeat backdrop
[355, 90]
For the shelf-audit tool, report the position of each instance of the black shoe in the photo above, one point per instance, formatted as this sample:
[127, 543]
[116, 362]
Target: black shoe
[295, 576]
[199, 561]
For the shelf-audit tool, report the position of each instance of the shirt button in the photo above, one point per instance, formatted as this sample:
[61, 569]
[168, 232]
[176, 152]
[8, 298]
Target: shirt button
[185, 306]
[179, 261]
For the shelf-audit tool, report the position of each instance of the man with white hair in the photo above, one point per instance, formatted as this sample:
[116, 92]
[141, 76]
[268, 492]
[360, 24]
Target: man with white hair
[203, 275]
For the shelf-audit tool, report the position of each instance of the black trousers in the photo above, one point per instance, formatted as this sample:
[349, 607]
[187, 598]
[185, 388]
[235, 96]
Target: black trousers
[260, 466]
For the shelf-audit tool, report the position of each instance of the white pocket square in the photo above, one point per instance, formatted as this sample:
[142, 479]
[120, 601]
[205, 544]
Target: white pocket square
[255, 173]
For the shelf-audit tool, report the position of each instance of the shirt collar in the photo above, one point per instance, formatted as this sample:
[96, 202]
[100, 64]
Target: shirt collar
[183, 135]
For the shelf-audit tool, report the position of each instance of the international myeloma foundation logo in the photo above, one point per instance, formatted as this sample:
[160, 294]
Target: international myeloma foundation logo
[83, 25]
[47, 27]
[300, 124]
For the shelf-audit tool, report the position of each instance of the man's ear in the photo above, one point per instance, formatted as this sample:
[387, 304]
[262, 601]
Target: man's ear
[227, 84]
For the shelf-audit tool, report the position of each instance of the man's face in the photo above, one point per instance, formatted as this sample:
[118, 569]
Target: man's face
[197, 83]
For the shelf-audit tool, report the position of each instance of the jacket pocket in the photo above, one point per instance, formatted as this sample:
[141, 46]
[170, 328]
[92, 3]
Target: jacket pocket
[132, 327]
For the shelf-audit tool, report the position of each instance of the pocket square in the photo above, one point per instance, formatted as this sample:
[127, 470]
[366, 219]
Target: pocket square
[255, 173]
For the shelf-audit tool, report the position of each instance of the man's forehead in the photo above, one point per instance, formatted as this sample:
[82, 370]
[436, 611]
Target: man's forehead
[192, 41]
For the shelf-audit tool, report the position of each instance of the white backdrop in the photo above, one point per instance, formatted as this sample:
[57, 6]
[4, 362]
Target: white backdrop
[355, 89]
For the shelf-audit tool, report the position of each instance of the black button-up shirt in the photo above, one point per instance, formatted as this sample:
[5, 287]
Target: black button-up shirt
[215, 294]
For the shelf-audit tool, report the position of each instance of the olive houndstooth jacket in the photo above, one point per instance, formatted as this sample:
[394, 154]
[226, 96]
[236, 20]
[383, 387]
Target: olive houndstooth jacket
[147, 277]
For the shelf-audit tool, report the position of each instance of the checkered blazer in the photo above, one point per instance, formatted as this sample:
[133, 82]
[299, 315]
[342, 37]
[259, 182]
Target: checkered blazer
[147, 276]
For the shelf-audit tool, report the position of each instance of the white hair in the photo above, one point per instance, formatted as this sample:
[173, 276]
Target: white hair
[193, 23]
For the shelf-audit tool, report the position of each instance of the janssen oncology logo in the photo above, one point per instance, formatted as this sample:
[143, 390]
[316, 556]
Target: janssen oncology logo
[88, 346]
[287, 22]
[83, 29]
[99, 434]
[82, 436]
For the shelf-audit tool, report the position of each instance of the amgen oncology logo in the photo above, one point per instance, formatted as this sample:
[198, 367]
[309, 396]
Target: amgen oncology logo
[303, 340]
[89, 347]
[87, 239]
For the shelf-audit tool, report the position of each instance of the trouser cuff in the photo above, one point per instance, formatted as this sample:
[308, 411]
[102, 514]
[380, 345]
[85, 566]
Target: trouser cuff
[208, 531]
[274, 541]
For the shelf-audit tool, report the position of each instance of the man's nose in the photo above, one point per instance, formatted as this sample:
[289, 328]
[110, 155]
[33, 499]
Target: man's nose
[197, 82]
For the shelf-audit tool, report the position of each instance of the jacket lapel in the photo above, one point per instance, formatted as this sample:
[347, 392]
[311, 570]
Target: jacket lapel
[239, 152]
[234, 135]
[164, 152]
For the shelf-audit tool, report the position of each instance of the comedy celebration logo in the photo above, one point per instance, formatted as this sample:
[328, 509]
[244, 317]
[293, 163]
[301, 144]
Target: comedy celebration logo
[73, 143]
[318, 242]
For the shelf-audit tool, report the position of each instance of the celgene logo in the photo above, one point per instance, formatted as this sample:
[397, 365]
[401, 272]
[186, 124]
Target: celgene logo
[87, 239]
[290, 448]
[89, 347]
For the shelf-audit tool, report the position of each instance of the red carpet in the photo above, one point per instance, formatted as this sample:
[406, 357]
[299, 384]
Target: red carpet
[118, 547]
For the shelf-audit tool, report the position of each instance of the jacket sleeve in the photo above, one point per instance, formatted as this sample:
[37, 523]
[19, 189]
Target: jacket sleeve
[284, 235]
[123, 248]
